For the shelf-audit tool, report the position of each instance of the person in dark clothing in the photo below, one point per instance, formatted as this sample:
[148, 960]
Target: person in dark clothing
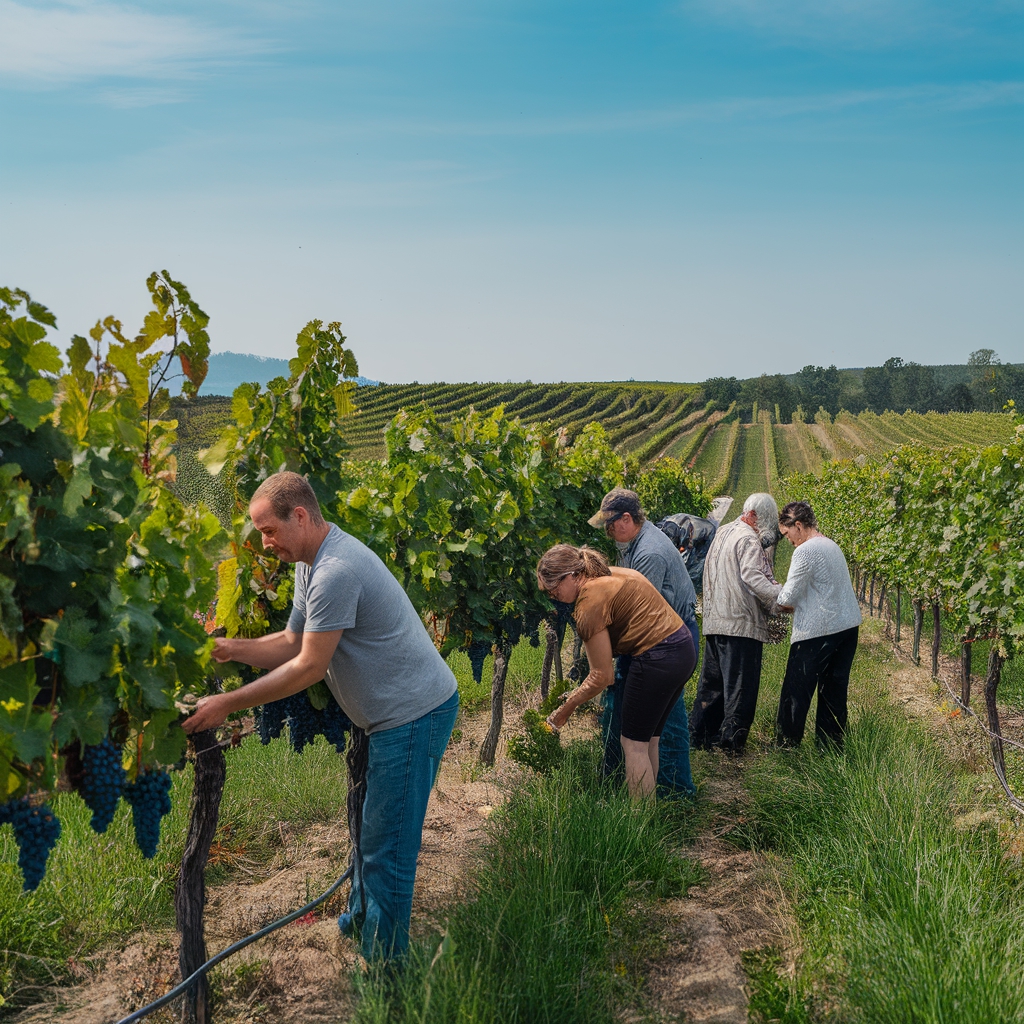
[826, 622]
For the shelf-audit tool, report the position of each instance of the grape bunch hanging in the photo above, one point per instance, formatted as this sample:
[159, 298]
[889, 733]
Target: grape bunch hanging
[150, 798]
[36, 830]
[304, 722]
[103, 779]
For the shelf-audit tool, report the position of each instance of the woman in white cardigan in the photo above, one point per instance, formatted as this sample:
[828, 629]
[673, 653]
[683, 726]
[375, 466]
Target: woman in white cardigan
[826, 620]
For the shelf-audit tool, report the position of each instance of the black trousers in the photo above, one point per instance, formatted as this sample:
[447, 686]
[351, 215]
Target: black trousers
[822, 663]
[726, 699]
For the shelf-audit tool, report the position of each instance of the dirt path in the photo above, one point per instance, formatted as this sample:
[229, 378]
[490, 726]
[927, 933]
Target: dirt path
[700, 977]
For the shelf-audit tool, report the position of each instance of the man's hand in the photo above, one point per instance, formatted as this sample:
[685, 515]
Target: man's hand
[209, 713]
[307, 666]
[222, 648]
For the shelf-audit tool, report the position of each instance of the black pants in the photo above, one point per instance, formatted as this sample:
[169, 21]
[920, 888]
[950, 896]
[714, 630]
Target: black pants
[823, 664]
[723, 708]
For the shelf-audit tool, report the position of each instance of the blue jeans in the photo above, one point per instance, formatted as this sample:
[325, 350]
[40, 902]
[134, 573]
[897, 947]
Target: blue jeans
[674, 775]
[400, 773]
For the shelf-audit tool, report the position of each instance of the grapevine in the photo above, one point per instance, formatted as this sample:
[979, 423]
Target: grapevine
[101, 566]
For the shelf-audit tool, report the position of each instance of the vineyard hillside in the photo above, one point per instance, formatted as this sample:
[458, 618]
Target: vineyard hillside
[644, 421]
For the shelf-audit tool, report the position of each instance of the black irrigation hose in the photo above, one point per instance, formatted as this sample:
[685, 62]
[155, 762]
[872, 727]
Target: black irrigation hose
[234, 948]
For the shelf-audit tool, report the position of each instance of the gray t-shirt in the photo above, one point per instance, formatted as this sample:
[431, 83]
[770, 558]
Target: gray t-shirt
[653, 554]
[386, 671]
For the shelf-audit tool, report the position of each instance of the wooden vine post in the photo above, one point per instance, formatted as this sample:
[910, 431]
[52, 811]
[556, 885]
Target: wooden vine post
[502, 654]
[190, 889]
[871, 597]
[992, 677]
[936, 637]
[965, 673]
[915, 651]
[899, 612]
[552, 659]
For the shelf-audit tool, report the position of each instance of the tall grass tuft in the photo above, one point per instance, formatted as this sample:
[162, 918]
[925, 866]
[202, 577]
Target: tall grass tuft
[551, 930]
[908, 915]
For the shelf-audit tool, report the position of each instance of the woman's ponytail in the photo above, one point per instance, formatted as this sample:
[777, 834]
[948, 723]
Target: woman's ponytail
[565, 560]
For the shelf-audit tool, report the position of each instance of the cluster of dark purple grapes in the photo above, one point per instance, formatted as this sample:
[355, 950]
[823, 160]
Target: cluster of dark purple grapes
[36, 829]
[304, 722]
[478, 651]
[271, 719]
[102, 782]
[150, 798]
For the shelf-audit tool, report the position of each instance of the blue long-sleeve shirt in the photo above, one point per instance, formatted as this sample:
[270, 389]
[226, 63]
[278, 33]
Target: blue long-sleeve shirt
[650, 552]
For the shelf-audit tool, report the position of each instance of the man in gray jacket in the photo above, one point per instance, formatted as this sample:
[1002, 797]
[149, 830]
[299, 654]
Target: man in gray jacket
[739, 593]
[643, 547]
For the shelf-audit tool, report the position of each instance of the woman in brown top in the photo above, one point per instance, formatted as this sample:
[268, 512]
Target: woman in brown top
[618, 611]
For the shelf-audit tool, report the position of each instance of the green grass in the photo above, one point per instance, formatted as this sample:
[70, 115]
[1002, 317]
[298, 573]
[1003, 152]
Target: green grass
[100, 887]
[906, 916]
[524, 672]
[553, 929]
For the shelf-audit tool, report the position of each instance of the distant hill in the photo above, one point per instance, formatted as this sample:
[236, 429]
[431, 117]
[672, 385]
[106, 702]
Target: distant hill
[229, 369]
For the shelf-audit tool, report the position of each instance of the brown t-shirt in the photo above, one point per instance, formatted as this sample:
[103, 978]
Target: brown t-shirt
[626, 604]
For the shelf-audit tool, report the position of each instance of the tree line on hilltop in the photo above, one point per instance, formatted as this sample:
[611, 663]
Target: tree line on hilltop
[985, 385]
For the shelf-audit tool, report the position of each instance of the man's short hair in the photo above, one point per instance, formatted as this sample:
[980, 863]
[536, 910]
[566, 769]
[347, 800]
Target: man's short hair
[614, 505]
[287, 491]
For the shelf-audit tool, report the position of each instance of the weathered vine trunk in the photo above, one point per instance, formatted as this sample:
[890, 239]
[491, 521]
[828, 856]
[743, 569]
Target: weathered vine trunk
[576, 659]
[357, 758]
[883, 607]
[899, 612]
[965, 673]
[995, 669]
[915, 651]
[490, 744]
[559, 678]
[190, 889]
[936, 637]
[871, 597]
[551, 655]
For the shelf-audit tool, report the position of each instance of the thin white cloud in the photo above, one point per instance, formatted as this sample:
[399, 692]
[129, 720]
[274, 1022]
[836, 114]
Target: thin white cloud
[74, 40]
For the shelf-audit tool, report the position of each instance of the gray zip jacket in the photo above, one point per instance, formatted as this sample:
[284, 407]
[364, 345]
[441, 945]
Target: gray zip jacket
[738, 589]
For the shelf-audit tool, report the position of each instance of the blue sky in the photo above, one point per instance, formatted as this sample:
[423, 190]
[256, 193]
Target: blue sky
[499, 190]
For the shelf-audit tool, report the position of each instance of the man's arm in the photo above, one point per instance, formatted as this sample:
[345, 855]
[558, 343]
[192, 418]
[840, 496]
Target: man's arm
[753, 576]
[308, 666]
[600, 677]
[264, 652]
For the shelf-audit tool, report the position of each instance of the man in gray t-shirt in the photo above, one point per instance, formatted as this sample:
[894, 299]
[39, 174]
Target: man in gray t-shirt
[385, 671]
[353, 625]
